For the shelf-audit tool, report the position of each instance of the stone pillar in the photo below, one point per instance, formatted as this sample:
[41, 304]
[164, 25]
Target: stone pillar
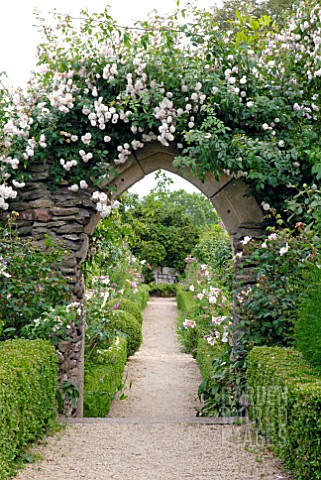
[68, 218]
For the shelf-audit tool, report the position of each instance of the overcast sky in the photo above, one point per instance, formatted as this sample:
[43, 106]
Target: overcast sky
[18, 37]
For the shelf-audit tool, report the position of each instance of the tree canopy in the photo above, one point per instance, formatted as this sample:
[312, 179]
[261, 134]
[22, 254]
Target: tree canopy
[167, 224]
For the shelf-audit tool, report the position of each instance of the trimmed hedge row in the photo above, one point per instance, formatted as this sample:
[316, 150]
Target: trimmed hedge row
[163, 289]
[205, 356]
[28, 383]
[285, 403]
[184, 299]
[141, 297]
[104, 367]
[126, 324]
[104, 378]
[307, 328]
[127, 306]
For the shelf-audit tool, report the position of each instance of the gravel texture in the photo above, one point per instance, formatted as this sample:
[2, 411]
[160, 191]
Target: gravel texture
[153, 434]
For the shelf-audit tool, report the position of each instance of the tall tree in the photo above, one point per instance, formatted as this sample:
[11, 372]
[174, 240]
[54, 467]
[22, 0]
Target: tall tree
[166, 224]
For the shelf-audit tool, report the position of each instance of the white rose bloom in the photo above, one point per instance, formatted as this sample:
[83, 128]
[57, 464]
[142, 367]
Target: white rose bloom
[83, 184]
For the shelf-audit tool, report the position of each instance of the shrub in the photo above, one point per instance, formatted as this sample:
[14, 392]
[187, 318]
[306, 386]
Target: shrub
[214, 249]
[285, 404]
[55, 325]
[141, 296]
[127, 306]
[307, 328]
[163, 289]
[103, 378]
[30, 281]
[206, 354]
[105, 322]
[28, 378]
[184, 299]
[98, 332]
[126, 324]
[276, 265]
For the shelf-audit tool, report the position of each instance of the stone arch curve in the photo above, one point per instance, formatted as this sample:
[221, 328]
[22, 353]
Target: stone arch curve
[229, 196]
[71, 217]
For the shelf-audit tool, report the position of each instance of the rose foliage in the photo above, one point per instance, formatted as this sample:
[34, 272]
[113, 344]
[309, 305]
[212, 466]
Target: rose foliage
[243, 101]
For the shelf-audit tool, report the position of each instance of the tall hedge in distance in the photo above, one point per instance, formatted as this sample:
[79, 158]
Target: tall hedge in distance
[28, 382]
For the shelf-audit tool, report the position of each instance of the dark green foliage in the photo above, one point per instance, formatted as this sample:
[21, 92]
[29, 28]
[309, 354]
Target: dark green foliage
[127, 306]
[186, 305]
[141, 297]
[126, 324]
[285, 403]
[28, 383]
[163, 289]
[167, 225]
[214, 248]
[268, 308]
[112, 334]
[197, 206]
[103, 379]
[184, 299]
[105, 322]
[222, 385]
[307, 328]
[206, 354]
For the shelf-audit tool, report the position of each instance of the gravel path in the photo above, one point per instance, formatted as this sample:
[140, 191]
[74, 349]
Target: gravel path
[154, 434]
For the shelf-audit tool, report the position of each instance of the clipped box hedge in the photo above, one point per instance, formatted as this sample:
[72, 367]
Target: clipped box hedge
[285, 403]
[127, 306]
[126, 324]
[103, 378]
[185, 299]
[163, 289]
[307, 327]
[141, 296]
[28, 383]
[205, 356]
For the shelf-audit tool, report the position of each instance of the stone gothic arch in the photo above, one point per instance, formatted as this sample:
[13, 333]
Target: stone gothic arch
[70, 218]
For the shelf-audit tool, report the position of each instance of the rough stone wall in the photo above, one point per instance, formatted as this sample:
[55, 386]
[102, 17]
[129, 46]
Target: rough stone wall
[68, 218]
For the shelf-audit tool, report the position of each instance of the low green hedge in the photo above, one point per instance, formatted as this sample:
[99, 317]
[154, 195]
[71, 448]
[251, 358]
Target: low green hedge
[184, 299]
[141, 296]
[206, 354]
[104, 378]
[126, 324]
[28, 383]
[163, 289]
[127, 306]
[284, 396]
[307, 328]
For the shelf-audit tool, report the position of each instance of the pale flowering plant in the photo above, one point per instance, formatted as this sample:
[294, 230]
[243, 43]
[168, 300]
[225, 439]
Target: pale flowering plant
[110, 265]
[56, 324]
[267, 306]
[118, 92]
[30, 281]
